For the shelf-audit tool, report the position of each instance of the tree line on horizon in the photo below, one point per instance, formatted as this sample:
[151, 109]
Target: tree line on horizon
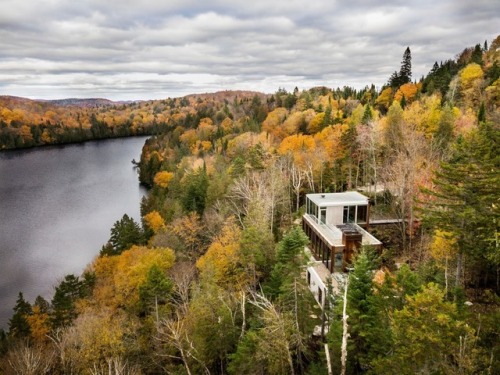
[210, 281]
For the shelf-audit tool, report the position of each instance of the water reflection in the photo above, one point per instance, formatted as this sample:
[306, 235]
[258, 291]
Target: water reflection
[57, 205]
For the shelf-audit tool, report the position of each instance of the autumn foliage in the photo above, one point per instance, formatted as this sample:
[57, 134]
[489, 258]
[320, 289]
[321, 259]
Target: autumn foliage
[213, 279]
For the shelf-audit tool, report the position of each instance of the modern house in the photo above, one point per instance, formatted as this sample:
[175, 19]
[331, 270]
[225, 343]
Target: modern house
[336, 224]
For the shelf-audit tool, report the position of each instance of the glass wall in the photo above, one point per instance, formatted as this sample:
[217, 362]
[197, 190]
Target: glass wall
[349, 214]
[322, 215]
[362, 215]
[311, 208]
[355, 214]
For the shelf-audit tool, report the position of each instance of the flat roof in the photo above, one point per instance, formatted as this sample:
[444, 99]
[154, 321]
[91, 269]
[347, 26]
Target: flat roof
[348, 198]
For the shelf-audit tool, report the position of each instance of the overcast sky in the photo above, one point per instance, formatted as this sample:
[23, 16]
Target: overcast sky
[149, 49]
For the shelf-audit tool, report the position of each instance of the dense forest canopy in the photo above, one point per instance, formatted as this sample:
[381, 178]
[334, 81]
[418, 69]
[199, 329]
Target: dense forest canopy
[211, 281]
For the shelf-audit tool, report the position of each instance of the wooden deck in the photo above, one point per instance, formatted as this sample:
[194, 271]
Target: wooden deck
[385, 222]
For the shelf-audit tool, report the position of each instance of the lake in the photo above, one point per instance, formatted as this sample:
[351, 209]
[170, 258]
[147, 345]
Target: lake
[57, 206]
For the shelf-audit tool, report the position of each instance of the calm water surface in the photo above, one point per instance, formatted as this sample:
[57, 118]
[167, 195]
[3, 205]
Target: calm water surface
[57, 206]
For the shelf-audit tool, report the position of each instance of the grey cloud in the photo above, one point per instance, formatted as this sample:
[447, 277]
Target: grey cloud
[156, 48]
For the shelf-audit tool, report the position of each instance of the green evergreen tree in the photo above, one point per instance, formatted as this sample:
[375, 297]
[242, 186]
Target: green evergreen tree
[395, 289]
[247, 348]
[394, 80]
[4, 342]
[238, 167]
[493, 73]
[349, 142]
[42, 304]
[256, 156]
[155, 291]
[405, 72]
[427, 337]
[369, 336]
[477, 55]
[394, 133]
[481, 114]
[367, 114]
[444, 133]
[18, 324]
[288, 261]
[464, 203]
[403, 102]
[327, 119]
[124, 234]
[66, 294]
[195, 191]
[404, 76]
[257, 250]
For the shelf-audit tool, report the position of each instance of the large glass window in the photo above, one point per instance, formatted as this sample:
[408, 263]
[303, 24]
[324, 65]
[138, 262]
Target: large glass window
[352, 214]
[322, 215]
[345, 216]
[362, 214]
[311, 208]
[349, 214]
[355, 214]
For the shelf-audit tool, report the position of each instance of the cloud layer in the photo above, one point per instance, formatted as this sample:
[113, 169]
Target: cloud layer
[123, 49]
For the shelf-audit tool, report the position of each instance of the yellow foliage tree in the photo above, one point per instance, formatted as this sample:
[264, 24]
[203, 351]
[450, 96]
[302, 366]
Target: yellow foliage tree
[46, 137]
[273, 122]
[329, 140]
[493, 92]
[189, 230]
[154, 221]
[316, 123]
[221, 261]
[205, 145]
[384, 100]
[292, 123]
[356, 116]
[189, 137]
[471, 78]
[470, 74]
[104, 290]
[132, 270]
[297, 143]
[163, 178]
[39, 324]
[307, 157]
[443, 249]
[424, 115]
[227, 126]
[243, 142]
[206, 129]
[25, 132]
[119, 277]
[97, 341]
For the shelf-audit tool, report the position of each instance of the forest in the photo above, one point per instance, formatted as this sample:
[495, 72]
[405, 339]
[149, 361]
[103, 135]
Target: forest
[211, 281]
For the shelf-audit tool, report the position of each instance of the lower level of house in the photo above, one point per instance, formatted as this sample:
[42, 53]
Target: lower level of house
[332, 248]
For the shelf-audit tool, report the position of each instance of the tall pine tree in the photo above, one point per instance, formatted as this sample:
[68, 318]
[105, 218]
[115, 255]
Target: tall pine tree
[404, 76]
[465, 203]
[18, 324]
[405, 72]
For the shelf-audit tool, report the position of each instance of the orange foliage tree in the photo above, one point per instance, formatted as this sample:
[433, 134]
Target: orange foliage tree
[408, 90]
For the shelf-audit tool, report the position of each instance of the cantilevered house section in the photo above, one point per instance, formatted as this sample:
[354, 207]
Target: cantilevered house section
[336, 224]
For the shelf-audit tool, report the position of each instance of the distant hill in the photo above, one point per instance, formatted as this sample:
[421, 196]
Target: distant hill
[34, 122]
[91, 102]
